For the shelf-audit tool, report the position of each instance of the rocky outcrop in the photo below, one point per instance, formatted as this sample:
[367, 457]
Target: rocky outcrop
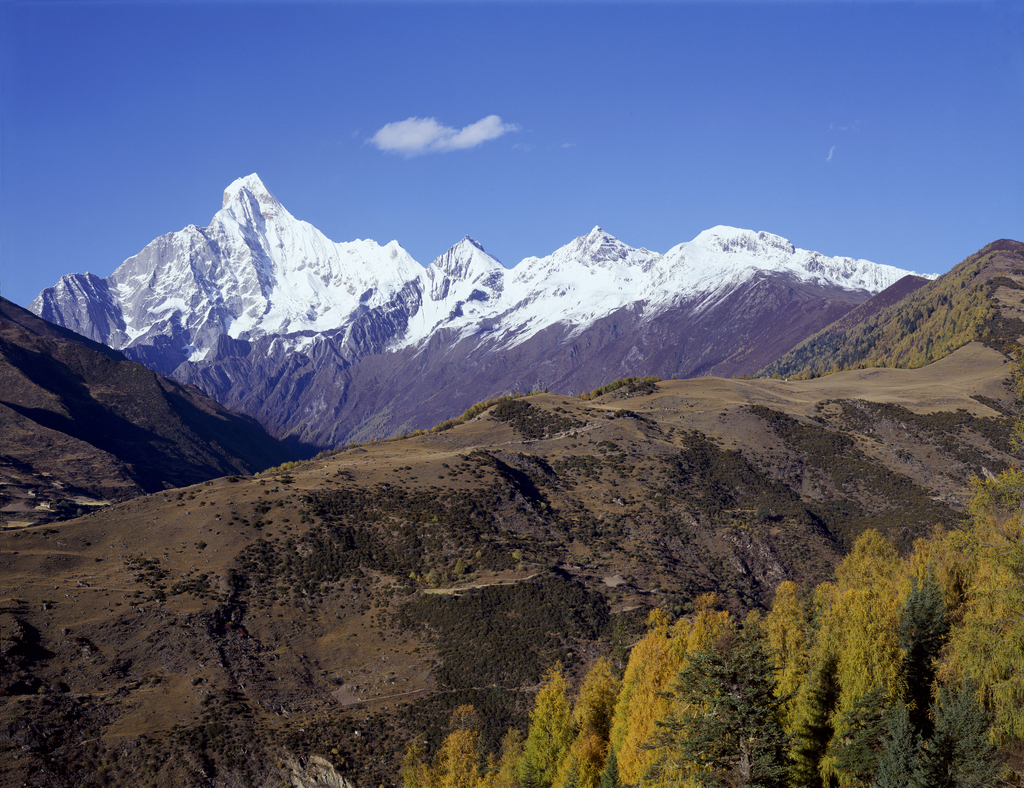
[311, 772]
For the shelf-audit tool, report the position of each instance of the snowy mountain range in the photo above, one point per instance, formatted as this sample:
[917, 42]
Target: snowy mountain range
[325, 342]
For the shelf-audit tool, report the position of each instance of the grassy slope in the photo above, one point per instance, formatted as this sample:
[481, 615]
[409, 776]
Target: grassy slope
[240, 623]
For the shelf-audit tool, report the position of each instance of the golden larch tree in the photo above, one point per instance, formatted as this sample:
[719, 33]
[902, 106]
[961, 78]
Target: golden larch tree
[550, 733]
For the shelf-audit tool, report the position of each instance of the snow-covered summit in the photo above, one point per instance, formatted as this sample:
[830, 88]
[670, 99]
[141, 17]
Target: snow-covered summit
[458, 286]
[252, 187]
[467, 260]
[257, 271]
[254, 270]
[725, 255]
[603, 249]
[733, 240]
[595, 249]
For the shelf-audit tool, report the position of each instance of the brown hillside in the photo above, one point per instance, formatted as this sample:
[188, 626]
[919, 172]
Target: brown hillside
[83, 426]
[235, 631]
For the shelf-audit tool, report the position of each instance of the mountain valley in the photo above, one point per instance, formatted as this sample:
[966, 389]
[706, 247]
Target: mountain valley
[321, 621]
[327, 343]
[83, 426]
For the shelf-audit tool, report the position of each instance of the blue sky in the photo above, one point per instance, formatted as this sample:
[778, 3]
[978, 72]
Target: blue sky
[891, 131]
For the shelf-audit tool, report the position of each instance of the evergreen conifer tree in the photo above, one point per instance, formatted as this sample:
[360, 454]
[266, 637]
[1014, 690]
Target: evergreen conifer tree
[923, 630]
[898, 763]
[814, 729]
[814, 710]
[735, 738]
[856, 751]
[571, 777]
[960, 753]
[610, 775]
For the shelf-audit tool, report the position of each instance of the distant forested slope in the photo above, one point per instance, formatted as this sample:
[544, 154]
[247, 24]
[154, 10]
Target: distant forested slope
[979, 299]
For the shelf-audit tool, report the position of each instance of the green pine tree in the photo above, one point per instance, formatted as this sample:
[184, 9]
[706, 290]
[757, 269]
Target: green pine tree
[960, 753]
[857, 750]
[923, 631]
[728, 726]
[572, 778]
[899, 761]
[814, 729]
[610, 775]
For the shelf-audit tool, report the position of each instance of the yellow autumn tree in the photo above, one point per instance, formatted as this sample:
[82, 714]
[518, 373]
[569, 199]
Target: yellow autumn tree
[592, 720]
[817, 697]
[415, 772]
[653, 664]
[786, 634]
[869, 653]
[550, 733]
[949, 557]
[987, 645]
[506, 772]
[707, 623]
[457, 762]
[670, 761]
[863, 628]
[595, 703]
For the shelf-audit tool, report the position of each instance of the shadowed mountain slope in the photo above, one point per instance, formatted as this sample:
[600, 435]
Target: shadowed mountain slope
[83, 425]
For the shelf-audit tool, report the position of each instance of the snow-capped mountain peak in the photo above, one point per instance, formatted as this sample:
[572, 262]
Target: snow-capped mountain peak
[728, 254]
[599, 248]
[467, 241]
[458, 285]
[249, 204]
[250, 186]
[259, 275]
[466, 259]
[733, 240]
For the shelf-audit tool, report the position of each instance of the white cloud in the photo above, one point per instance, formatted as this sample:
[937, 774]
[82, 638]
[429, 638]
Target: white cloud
[414, 136]
[830, 152]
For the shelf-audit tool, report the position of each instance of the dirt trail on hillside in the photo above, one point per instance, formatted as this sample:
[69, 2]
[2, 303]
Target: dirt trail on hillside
[498, 580]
